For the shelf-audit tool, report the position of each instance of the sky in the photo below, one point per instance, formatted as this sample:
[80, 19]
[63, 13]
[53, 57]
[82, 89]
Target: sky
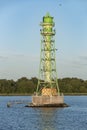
[20, 37]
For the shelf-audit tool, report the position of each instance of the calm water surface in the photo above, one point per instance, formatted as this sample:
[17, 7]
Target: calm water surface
[18, 117]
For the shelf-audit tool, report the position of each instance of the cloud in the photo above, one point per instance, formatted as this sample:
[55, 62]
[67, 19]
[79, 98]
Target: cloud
[3, 57]
[83, 58]
[18, 55]
[26, 57]
[75, 63]
[79, 62]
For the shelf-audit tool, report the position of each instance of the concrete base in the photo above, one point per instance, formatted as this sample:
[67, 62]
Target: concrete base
[42, 100]
[47, 101]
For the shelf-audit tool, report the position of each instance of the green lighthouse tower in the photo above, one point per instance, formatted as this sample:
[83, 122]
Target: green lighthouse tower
[47, 93]
[47, 82]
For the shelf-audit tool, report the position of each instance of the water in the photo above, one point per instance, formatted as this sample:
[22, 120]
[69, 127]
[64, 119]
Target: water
[18, 117]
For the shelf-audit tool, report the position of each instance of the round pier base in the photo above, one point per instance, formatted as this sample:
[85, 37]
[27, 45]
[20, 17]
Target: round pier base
[47, 105]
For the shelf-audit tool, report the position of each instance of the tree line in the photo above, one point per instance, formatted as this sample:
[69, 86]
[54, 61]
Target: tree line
[28, 86]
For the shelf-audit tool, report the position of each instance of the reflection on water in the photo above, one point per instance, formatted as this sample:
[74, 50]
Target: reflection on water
[47, 119]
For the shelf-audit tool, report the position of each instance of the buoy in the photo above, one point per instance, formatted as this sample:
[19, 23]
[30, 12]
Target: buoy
[8, 104]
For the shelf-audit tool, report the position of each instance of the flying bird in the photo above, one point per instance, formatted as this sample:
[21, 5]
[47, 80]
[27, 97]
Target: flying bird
[60, 4]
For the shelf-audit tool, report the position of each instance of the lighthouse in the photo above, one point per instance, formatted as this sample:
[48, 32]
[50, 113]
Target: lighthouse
[47, 81]
[47, 92]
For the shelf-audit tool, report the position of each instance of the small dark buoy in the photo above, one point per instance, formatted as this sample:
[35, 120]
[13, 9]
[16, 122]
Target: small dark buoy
[8, 104]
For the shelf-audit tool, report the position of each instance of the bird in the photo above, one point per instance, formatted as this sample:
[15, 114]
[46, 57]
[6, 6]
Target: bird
[60, 4]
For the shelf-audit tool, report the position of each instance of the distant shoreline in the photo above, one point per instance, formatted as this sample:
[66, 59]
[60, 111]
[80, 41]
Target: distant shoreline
[15, 94]
[27, 94]
[75, 94]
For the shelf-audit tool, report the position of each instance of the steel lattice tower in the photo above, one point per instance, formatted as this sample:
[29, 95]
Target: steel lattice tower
[47, 71]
